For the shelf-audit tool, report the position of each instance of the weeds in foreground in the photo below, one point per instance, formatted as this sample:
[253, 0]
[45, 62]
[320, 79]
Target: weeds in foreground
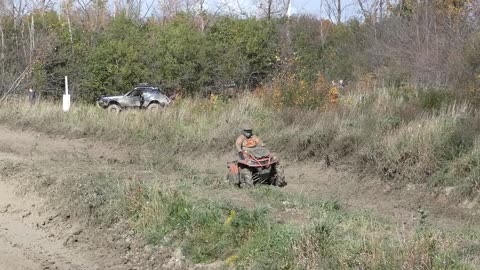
[251, 239]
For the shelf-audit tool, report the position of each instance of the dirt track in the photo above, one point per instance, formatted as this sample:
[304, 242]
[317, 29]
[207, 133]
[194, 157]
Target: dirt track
[32, 237]
[23, 245]
[26, 239]
[35, 236]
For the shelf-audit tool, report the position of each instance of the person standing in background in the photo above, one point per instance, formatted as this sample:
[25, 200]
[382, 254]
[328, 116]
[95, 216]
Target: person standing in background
[32, 96]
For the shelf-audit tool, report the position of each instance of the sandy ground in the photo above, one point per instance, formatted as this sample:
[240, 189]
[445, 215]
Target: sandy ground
[24, 242]
[23, 245]
[32, 234]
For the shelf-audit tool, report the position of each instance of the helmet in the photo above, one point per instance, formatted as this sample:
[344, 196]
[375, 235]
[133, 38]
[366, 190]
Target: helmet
[247, 131]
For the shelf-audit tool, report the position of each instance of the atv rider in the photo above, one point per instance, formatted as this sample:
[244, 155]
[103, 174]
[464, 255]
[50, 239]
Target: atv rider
[247, 140]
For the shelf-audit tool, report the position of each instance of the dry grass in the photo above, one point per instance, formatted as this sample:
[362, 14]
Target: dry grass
[385, 133]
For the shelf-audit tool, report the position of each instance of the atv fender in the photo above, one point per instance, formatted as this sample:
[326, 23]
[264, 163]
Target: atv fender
[233, 167]
[233, 175]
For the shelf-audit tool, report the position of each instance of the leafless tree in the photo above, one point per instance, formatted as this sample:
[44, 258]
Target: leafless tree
[2, 7]
[374, 10]
[242, 8]
[2, 38]
[42, 5]
[335, 8]
[171, 8]
[2, 50]
[272, 8]
[426, 47]
[208, 15]
[16, 9]
[91, 14]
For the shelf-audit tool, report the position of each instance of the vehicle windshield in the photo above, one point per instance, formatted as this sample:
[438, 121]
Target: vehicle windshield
[134, 93]
[152, 90]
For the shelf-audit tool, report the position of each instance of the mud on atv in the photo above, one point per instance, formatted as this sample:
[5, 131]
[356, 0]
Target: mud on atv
[259, 166]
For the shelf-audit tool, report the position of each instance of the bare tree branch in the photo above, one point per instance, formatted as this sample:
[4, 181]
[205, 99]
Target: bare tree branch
[15, 86]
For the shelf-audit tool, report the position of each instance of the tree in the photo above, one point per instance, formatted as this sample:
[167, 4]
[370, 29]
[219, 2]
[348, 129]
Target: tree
[273, 8]
[172, 8]
[252, 47]
[118, 60]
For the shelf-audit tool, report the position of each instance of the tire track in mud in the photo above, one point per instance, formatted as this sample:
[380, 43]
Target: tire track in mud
[23, 245]
[35, 234]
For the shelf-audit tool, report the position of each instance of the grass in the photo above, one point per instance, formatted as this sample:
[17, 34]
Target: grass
[463, 172]
[209, 230]
[408, 137]
[415, 150]
[252, 239]
[412, 137]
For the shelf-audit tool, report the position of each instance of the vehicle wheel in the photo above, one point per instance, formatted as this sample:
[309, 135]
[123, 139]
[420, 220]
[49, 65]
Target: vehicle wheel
[279, 178]
[234, 179]
[246, 178]
[114, 108]
[154, 107]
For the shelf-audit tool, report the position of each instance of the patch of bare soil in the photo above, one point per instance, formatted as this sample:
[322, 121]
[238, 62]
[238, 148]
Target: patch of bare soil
[34, 235]
[24, 245]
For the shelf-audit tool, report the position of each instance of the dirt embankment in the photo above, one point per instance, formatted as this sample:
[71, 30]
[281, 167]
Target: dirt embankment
[23, 242]
[29, 238]
[34, 236]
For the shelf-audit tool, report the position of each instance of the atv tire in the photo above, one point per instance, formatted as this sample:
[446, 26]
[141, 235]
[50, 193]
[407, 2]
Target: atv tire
[246, 179]
[279, 178]
[113, 108]
[233, 179]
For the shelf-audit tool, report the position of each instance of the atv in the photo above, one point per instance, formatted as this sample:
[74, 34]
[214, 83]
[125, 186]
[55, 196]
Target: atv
[259, 166]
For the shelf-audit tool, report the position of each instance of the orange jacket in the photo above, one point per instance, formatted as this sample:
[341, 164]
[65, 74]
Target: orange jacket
[243, 141]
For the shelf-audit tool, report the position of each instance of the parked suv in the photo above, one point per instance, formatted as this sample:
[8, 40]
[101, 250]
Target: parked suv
[143, 96]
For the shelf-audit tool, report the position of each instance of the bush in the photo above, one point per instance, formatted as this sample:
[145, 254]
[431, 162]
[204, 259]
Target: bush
[417, 150]
[433, 100]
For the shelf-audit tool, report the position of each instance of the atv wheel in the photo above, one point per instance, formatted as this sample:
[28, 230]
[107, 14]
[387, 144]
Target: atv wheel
[114, 108]
[154, 107]
[279, 178]
[246, 179]
[233, 179]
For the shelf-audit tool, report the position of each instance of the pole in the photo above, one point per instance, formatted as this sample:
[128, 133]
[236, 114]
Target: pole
[66, 97]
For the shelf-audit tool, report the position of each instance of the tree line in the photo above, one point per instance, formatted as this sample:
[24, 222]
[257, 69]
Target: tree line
[192, 49]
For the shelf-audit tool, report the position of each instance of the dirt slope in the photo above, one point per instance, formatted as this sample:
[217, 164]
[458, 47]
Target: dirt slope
[23, 245]
[33, 237]
[402, 204]
[367, 193]
[32, 234]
